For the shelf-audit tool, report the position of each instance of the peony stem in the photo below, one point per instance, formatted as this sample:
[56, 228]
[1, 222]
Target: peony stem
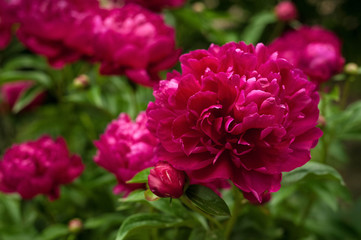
[133, 98]
[237, 206]
[345, 91]
[190, 205]
[307, 211]
[277, 31]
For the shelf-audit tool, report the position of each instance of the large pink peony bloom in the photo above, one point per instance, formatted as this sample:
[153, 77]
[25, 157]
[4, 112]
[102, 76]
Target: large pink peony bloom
[314, 50]
[45, 25]
[10, 92]
[38, 167]
[124, 149]
[128, 40]
[235, 112]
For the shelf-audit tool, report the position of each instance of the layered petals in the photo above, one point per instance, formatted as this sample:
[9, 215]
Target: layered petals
[38, 167]
[124, 149]
[314, 50]
[236, 112]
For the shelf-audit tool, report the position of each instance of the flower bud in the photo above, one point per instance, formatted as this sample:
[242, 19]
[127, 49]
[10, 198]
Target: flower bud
[166, 181]
[321, 121]
[82, 81]
[75, 225]
[351, 68]
[286, 11]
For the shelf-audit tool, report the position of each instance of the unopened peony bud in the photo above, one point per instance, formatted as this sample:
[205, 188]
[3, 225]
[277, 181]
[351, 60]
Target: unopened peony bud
[198, 7]
[166, 181]
[82, 81]
[286, 11]
[351, 68]
[75, 225]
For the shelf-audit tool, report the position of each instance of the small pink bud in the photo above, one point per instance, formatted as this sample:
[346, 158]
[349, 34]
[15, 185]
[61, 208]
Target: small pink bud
[166, 181]
[286, 11]
[351, 68]
[321, 121]
[75, 225]
[82, 81]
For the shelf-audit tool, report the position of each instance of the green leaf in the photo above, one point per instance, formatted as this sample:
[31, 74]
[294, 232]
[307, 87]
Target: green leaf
[11, 209]
[207, 200]
[26, 61]
[150, 196]
[27, 97]
[142, 220]
[40, 77]
[309, 169]
[252, 33]
[197, 234]
[135, 196]
[54, 232]
[141, 177]
[99, 221]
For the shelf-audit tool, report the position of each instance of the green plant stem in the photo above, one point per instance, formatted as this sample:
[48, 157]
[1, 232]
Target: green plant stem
[346, 91]
[133, 99]
[325, 146]
[237, 207]
[190, 205]
[307, 211]
[154, 233]
[277, 30]
[71, 237]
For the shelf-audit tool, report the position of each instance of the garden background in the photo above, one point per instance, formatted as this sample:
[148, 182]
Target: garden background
[321, 200]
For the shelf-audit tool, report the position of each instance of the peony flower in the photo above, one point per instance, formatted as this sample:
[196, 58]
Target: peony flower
[11, 92]
[45, 25]
[235, 112]
[6, 22]
[124, 149]
[286, 11]
[166, 181]
[38, 167]
[314, 50]
[155, 5]
[129, 40]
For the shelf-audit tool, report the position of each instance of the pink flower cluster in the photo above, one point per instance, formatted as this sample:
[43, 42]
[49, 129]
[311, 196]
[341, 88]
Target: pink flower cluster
[316, 51]
[128, 40]
[38, 167]
[45, 25]
[124, 149]
[235, 112]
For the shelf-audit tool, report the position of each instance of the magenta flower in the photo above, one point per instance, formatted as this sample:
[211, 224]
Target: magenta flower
[38, 167]
[6, 22]
[235, 112]
[128, 40]
[124, 149]
[10, 92]
[286, 11]
[45, 25]
[166, 181]
[156, 5]
[314, 50]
